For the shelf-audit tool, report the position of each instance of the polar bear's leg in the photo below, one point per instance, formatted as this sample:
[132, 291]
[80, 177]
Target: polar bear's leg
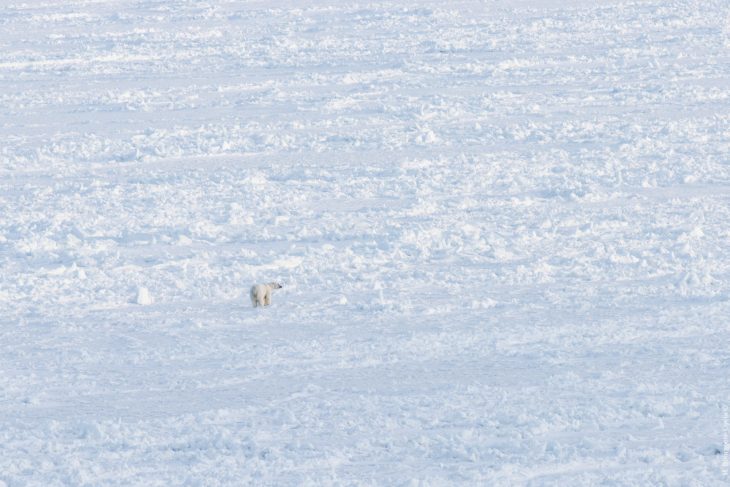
[267, 297]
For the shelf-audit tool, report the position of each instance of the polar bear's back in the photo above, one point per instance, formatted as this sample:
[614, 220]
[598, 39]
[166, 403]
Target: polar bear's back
[259, 289]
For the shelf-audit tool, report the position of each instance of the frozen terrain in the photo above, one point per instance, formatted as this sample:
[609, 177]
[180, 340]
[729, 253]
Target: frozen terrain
[502, 228]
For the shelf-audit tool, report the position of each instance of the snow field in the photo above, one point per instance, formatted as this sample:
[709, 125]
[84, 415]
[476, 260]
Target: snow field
[501, 229]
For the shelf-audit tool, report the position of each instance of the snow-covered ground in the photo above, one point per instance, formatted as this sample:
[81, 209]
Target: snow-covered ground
[501, 227]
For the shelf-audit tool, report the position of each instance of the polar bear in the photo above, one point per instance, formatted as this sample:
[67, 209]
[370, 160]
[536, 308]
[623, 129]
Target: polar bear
[261, 293]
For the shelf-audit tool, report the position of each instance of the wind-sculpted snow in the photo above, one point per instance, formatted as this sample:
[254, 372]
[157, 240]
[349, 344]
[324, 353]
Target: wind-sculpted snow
[501, 230]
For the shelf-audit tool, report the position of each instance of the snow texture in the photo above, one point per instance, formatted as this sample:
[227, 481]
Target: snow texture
[501, 227]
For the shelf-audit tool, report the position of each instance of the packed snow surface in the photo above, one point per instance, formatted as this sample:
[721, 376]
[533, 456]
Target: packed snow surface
[501, 228]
